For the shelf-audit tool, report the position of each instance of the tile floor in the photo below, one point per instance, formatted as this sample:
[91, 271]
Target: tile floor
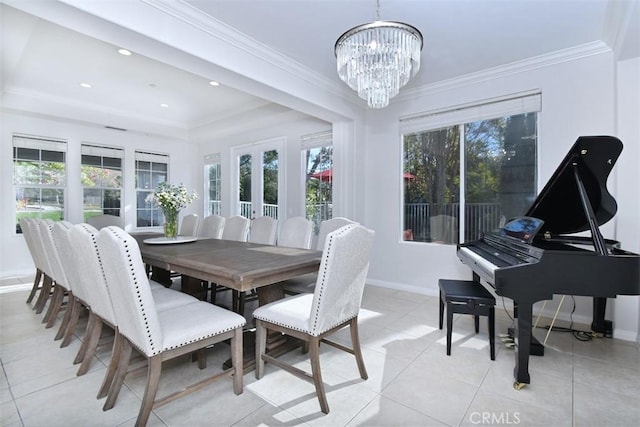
[411, 380]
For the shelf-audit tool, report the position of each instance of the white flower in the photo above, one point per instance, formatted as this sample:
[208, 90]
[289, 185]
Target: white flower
[171, 197]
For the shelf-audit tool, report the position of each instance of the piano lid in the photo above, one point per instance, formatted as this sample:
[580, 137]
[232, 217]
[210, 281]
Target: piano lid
[559, 203]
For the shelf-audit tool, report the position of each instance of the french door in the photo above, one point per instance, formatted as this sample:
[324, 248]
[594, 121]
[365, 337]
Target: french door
[258, 179]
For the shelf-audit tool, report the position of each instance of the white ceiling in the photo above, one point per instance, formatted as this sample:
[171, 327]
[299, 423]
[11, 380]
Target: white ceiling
[43, 63]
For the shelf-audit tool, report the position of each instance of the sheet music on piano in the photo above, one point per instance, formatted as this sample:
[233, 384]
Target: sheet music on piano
[534, 258]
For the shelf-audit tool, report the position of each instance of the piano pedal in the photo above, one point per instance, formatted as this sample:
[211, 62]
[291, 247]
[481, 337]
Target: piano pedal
[508, 339]
[504, 336]
[510, 344]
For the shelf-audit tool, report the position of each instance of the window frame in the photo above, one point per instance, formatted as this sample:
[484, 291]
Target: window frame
[309, 142]
[156, 218]
[213, 207]
[88, 149]
[40, 144]
[460, 116]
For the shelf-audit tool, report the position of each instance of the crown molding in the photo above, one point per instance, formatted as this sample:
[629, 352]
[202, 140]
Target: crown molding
[529, 64]
[194, 17]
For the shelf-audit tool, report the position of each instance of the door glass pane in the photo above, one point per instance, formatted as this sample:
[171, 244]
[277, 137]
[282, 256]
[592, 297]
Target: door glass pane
[319, 184]
[244, 185]
[270, 184]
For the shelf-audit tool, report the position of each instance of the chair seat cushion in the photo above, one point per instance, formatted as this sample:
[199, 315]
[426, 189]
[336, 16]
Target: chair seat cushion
[165, 298]
[293, 312]
[194, 322]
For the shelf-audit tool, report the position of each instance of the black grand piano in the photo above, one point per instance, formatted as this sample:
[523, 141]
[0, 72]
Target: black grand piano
[539, 255]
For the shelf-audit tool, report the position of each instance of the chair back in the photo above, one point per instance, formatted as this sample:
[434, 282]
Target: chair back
[38, 226]
[236, 228]
[27, 226]
[212, 227]
[190, 225]
[129, 289]
[329, 225]
[341, 277]
[85, 262]
[55, 257]
[296, 232]
[101, 221]
[263, 230]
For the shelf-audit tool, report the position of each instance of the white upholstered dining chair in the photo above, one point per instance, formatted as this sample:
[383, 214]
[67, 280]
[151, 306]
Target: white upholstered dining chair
[190, 225]
[296, 232]
[105, 220]
[160, 335]
[263, 230]
[334, 305]
[26, 225]
[212, 226]
[236, 228]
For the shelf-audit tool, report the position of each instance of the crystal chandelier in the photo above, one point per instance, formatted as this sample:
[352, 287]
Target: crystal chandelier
[378, 58]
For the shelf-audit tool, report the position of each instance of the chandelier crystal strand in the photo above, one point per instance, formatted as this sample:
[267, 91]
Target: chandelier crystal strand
[377, 59]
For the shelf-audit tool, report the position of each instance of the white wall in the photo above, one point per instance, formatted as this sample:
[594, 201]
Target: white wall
[15, 259]
[578, 98]
[627, 308]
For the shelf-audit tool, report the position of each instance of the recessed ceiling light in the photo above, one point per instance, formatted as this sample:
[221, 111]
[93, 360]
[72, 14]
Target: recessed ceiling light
[85, 85]
[212, 83]
[164, 105]
[124, 52]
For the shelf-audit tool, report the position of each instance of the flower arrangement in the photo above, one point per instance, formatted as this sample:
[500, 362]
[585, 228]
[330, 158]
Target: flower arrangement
[171, 199]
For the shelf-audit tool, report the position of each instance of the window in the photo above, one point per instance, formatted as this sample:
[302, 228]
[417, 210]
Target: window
[317, 153]
[39, 177]
[151, 170]
[101, 176]
[213, 184]
[465, 178]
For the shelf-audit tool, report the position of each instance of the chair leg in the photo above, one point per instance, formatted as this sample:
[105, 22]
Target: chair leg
[67, 316]
[36, 285]
[476, 320]
[54, 306]
[85, 339]
[153, 378]
[123, 364]
[314, 355]
[449, 327]
[92, 337]
[261, 346]
[237, 360]
[355, 343]
[73, 323]
[113, 366]
[45, 293]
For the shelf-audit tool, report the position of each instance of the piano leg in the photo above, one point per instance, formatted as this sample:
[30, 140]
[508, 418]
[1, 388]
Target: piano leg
[523, 347]
[599, 325]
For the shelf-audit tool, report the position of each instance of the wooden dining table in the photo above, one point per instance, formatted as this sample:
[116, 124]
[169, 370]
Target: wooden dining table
[237, 265]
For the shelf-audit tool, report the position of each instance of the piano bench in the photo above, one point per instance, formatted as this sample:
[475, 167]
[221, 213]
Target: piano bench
[467, 297]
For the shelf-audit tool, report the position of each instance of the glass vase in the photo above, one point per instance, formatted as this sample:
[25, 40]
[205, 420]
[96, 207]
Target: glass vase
[170, 223]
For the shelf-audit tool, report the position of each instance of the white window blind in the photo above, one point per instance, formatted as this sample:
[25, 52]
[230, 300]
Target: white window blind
[319, 139]
[97, 150]
[488, 109]
[152, 157]
[36, 143]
